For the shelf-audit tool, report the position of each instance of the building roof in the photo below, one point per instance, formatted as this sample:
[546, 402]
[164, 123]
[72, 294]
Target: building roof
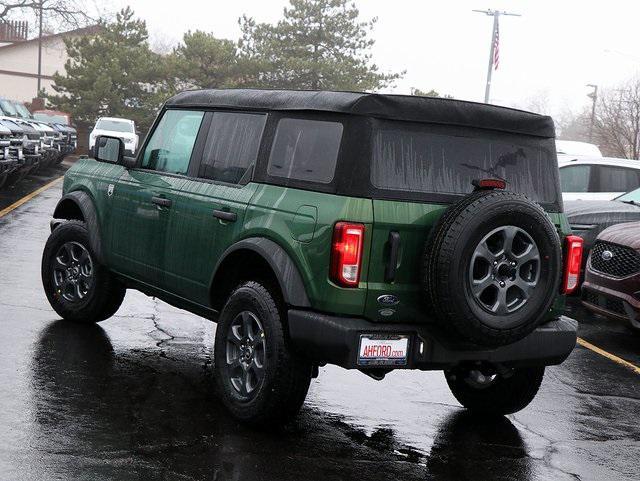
[395, 107]
[76, 32]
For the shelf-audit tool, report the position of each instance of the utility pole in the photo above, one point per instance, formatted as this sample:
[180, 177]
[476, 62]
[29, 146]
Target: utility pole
[594, 97]
[39, 48]
[494, 37]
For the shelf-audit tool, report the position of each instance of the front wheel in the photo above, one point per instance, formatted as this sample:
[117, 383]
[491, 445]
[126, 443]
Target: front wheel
[486, 391]
[262, 381]
[77, 286]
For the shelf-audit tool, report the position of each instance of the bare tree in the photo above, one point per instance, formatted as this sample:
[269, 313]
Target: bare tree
[73, 13]
[617, 121]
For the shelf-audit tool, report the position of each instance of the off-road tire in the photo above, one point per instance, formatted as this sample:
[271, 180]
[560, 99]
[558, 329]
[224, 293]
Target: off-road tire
[509, 393]
[107, 293]
[447, 258]
[286, 374]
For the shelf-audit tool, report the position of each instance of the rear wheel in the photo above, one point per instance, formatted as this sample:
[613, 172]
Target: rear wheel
[77, 286]
[486, 391]
[262, 380]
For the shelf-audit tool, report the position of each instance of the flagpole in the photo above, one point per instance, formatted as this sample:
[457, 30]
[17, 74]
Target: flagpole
[492, 51]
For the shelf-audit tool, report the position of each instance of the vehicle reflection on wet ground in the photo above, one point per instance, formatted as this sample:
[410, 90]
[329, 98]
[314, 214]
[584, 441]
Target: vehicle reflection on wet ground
[133, 398]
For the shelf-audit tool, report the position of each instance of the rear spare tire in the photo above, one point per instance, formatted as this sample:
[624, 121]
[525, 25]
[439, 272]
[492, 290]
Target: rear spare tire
[492, 267]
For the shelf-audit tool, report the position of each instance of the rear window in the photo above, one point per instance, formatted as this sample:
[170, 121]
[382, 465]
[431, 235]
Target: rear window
[428, 159]
[305, 150]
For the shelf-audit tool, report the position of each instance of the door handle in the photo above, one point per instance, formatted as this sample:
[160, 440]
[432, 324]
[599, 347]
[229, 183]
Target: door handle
[225, 215]
[394, 248]
[161, 201]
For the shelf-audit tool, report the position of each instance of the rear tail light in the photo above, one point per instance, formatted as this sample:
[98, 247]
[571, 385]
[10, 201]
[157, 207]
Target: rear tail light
[573, 261]
[346, 254]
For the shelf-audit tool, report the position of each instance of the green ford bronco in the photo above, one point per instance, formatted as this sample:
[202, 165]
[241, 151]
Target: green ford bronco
[373, 232]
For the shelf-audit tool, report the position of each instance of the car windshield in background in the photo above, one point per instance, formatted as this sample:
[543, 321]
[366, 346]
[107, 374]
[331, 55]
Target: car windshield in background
[114, 126]
[22, 111]
[633, 196]
[8, 108]
[434, 159]
[52, 119]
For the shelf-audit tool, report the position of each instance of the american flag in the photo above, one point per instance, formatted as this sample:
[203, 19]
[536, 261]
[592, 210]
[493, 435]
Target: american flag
[496, 48]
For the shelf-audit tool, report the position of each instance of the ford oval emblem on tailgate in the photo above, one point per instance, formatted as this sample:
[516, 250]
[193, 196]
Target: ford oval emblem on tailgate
[388, 300]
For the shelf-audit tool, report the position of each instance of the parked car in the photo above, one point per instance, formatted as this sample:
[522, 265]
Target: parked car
[612, 284]
[588, 218]
[124, 129]
[597, 178]
[369, 231]
[575, 148]
[61, 121]
[8, 163]
[57, 140]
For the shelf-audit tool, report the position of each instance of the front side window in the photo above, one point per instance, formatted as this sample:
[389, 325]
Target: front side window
[575, 178]
[170, 146]
[232, 146]
[305, 150]
[617, 179]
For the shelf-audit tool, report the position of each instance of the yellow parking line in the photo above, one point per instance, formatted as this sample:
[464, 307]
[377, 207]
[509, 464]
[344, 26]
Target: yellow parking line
[28, 197]
[609, 356]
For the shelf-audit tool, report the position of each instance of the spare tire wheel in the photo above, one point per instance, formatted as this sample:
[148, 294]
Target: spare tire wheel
[492, 267]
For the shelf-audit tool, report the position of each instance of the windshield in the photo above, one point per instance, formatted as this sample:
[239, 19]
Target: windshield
[8, 108]
[114, 125]
[22, 111]
[633, 196]
[52, 119]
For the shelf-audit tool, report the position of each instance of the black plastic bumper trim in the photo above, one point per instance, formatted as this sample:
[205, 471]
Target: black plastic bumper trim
[335, 340]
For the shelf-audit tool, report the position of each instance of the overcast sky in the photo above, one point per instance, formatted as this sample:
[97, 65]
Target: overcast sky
[553, 50]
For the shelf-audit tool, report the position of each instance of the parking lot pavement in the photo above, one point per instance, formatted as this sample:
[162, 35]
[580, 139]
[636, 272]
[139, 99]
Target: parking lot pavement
[133, 398]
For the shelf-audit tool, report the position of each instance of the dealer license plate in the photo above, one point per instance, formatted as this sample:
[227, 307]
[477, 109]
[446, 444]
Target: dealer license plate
[384, 350]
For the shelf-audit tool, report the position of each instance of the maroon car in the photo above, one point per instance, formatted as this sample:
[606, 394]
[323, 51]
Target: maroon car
[612, 279]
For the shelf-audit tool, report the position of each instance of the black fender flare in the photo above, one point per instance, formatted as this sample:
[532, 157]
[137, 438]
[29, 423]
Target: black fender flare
[84, 202]
[287, 274]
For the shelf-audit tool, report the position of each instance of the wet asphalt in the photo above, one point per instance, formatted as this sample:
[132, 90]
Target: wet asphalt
[133, 398]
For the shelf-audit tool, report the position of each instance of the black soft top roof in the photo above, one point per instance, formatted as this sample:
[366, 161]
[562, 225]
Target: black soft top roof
[395, 107]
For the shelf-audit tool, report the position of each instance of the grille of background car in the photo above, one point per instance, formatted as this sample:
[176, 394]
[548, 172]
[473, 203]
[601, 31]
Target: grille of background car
[625, 261]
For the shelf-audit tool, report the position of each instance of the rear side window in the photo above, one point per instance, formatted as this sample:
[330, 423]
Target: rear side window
[232, 146]
[575, 178]
[305, 150]
[617, 179]
[409, 157]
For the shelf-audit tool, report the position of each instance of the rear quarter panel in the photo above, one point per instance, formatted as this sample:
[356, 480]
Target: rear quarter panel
[286, 216]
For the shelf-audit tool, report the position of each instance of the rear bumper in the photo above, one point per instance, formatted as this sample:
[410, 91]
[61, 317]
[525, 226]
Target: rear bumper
[335, 340]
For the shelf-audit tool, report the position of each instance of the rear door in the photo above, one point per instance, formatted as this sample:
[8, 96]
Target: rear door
[210, 208]
[144, 197]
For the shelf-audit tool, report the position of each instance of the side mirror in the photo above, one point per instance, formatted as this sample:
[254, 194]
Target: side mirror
[109, 149]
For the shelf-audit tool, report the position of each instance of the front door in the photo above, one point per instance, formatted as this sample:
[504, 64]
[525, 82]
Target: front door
[209, 212]
[144, 197]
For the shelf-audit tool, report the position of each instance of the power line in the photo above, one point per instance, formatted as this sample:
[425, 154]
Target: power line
[494, 39]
